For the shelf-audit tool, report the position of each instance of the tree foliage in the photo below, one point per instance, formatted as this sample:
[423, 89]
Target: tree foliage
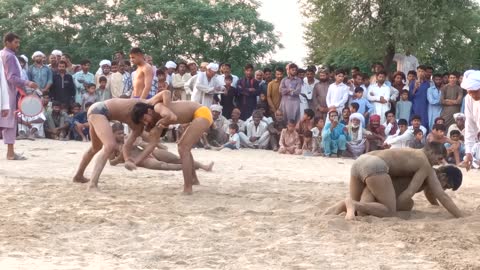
[443, 33]
[200, 30]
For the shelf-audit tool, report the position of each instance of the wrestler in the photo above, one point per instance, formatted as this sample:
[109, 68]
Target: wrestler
[166, 113]
[99, 116]
[450, 177]
[375, 170]
[142, 82]
[160, 159]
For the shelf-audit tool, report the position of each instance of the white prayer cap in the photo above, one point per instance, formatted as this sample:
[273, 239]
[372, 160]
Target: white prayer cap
[458, 115]
[213, 67]
[24, 58]
[191, 62]
[471, 80]
[105, 62]
[37, 53]
[57, 52]
[358, 116]
[170, 64]
[216, 108]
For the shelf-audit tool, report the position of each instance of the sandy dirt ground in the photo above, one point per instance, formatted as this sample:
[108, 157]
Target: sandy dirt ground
[256, 210]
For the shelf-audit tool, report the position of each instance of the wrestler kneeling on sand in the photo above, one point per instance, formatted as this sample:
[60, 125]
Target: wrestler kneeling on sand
[160, 159]
[165, 113]
[375, 176]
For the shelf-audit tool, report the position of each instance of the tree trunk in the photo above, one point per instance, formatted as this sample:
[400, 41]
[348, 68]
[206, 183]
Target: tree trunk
[388, 58]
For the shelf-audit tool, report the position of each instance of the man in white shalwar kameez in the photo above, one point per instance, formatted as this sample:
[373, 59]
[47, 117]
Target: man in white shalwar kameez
[205, 85]
[379, 95]
[471, 82]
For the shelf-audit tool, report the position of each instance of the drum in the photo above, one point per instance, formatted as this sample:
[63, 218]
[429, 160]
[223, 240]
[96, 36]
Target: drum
[30, 105]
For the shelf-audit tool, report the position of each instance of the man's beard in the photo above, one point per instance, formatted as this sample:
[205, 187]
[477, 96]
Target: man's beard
[324, 80]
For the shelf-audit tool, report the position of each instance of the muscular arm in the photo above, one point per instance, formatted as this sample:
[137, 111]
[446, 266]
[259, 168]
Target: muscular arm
[148, 78]
[439, 193]
[164, 97]
[154, 138]
[167, 116]
[430, 197]
[417, 181]
[127, 148]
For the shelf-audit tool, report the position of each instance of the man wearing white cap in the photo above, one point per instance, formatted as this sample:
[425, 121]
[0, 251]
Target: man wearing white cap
[458, 125]
[40, 73]
[216, 135]
[106, 66]
[57, 54]
[170, 66]
[205, 85]
[471, 82]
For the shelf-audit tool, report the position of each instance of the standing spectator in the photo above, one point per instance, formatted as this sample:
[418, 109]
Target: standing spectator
[433, 97]
[451, 99]
[13, 76]
[418, 95]
[319, 96]
[205, 85]
[404, 106]
[290, 88]
[405, 62]
[52, 63]
[40, 73]
[274, 97]
[337, 94]
[58, 55]
[226, 71]
[379, 94]
[193, 69]
[106, 67]
[120, 81]
[306, 93]
[267, 78]
[68, 60]
[90, 96]
[411, 77]
[471, 82]
[364, 106]
[102, 93]
[82, 79]
[178, 82]
[170, 69]
[248, 89]
[399, 81]
[63, 87]
[261, 83]
[228, 98]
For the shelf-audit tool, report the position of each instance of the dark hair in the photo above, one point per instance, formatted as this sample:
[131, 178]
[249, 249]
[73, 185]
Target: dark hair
[139, 110]
[88, 104]
[402, 122]
[227, 64]
[76, 105]
[85, 62]
[292, 65]
[436, 148]
[56, 103]
[229, 77]
[416, 117]
[120, 52]
[455, 132]
[117, 126]
[383, 72]
[413, 72]
[20, 59]
[454, 176]
[62, 62]
[378, 64]
[9, 37]
[308, 134]
[422, 67]
[102, 79]
[160, 71]
[404, 91]
[280, 69]
[136, 50]
[355, 105]
[438, 118]
[416, 131]
[389, 112]
[339, 71]
[310, 113]
[265, 70]
[399, 73]
[233, 126]
[358, 75]
[359, 90]
[248, 66]
[301, 70]
[440, 127]
[67, 56]
[292, 122]
[312, 67]
[429, 67]
[437, 75]
[318, 119]
[346, 108]
[91, 85]
[115, 63]
[356, 69]
[257, 114]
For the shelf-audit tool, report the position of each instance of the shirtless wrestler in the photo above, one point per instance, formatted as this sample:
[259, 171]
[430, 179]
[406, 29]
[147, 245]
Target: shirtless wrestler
[450, 177]
[142, 82]
[376, 169]
[160, 159]
[165, 113]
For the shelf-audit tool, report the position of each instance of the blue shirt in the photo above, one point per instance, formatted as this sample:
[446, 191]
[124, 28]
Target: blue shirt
[363, 105]
[335, 133]
[41, 75]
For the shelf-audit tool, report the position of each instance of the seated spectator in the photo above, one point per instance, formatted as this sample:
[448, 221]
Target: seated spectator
[306, 123]
[289, 140]
[317, 135]
[102, 92]
[308, 144]
[233, 139]
[80, 128]
[458, 125]
[216, 135]
[31, 127]
[364, 106]
[357, 142]
[390, 124]
[418, 139]
[257, 134]
[345, 116]
[403, 107]
[75, 108]
[455, 149]
[57, 124]
[416, 123]
[476, 153]
[334, 140]
[439, 120]
[89, 96]
[261, 109]
[438, 134]
[235, 119]
[402, 138]
[275, 129]
[376, 137]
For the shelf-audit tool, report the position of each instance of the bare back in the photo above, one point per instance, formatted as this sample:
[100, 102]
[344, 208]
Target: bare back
[404, 161]
[120, 110]
[184, 110]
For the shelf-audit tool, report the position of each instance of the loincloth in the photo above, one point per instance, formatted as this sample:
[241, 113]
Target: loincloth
[203, 112]
[368, 165]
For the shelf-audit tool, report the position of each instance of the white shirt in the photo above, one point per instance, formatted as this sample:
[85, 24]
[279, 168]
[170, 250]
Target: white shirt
[422, 128]
[240, 124]
[472, 122]
[405, 63]
[4, 96]
[376, 91]
[337, 96]
[235, 138]
[256, 131]
[400, 141]
[307, 90]
[202, 89]
[221, 79]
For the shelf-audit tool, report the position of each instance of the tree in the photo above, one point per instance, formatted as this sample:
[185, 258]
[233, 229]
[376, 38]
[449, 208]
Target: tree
[441, 32]
[200, 30]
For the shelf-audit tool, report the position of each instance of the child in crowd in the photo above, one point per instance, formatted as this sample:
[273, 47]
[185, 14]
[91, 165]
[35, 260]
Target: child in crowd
[317, 135]
[306, 124]
[80, 128]
[102, 92]
[227, 98]
[391, 125]
[89, 96]
[75, 108]
[289, 140]
[275, 129]
[402, 138]
[308, 143]
[439, 120]
[416, 123]
[162, 83]
[233, 140]
[403, 107]
[364, 106]
[417, 142]
[438, 134]
[455, 148]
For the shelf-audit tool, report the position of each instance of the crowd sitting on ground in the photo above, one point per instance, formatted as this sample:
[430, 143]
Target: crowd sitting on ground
[311, 112]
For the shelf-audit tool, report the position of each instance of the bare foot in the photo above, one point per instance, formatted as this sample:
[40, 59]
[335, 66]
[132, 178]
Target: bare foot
[130, 165]
[84, 140]
[80, 179]
[187, 191]
[91, 188]
[350, 204]
[209, 167]
[196, 182]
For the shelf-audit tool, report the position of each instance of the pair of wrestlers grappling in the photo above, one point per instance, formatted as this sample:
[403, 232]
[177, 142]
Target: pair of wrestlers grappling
[381, 182]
